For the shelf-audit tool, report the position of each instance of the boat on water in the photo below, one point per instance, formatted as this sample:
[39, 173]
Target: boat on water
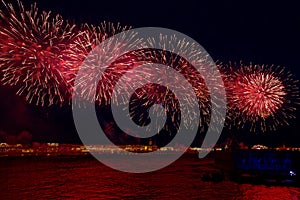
[260, 165]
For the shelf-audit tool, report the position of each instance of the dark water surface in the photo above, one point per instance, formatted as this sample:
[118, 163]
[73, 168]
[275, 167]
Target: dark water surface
[87, 178]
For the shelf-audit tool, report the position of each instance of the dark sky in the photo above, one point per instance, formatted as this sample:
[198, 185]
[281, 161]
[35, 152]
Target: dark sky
[263, 32]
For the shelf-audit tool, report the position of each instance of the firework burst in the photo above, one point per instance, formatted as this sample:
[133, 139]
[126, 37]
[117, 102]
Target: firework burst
[34, 55]
[144, 97]
[41, 53]
[90, 36]
[90, 71]
[261, 96]
[163, 95]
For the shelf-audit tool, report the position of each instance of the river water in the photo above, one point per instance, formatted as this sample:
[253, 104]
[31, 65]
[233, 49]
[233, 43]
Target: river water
[87, 178]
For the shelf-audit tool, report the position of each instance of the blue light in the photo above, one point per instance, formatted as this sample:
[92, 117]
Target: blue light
[292, 173]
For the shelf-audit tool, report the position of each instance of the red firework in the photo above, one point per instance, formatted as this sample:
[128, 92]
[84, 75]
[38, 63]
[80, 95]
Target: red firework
[262, 96]
[41, 53]
[34, 54]
[149, 93]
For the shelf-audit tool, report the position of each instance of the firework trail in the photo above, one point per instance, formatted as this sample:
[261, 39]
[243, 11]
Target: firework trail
[260, 96]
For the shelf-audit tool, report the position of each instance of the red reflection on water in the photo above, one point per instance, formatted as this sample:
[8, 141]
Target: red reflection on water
[262, 192]
[86, 178]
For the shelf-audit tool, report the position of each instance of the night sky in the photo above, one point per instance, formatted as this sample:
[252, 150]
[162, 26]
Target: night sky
[258, 32]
